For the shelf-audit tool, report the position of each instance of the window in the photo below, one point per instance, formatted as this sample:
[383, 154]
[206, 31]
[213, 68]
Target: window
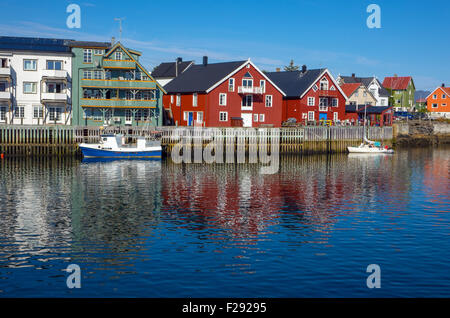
[128, 95]
[38, 112]
[118, 55]
[365, 94]
[54, 113]
[98, 74]
[262, 84]
[2, 86]
[434, 106]
[247, 101]
[128, 115]
[261, 118]
[444, 96]
[87, 55]
[29, 65]
[443, 105]
[138, 115]
[247, 83]
[373, 91]
[87, 75]
[195, 99]
[171, 99]
[268, 100]
[178, 99]
[223, 116]
[333, 88]
[324, 84]
[310, 116]
[255, 117]
[223, 99]
[54, 87]
[335, 102]
[383, 102]
[231, 85]
[19, 111]
[315, 88]
[29, 87]
[335, 116]
[2, 113]
[323, 102]
[435, 96]
[304, 115]
[54, 65]
[199, 117]
[311, 101]
[98, 52]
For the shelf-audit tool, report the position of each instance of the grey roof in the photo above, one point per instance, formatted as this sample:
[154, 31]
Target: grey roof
[366, 82]
[34, 44]
[370, 109]
[89, 44]
[294, 83]
[198, 78]
[164, 70]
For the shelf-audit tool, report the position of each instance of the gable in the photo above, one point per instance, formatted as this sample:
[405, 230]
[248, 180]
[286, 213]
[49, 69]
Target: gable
[330, 78]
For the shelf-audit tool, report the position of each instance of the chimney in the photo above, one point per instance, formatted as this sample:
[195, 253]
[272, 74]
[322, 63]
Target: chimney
[205, 60]
[278, 69]
[443, 84]
[353, 75]
[304, 69]
[176, 67]
[113, 40]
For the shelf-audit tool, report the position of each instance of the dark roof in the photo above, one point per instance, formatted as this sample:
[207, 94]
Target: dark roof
[168, 69]
[352, 108]
[198, 78]
[34, 44]
[89, 44]
[294, 83]
[370, 109]
[366, 82]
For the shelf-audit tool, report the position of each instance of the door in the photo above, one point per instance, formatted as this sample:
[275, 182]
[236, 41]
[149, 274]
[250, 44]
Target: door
[247, 120]
[322, 116]
[190, 118]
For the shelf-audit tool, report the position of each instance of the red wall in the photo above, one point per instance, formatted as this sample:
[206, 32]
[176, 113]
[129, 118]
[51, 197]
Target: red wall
[209, 103]
[295, 107]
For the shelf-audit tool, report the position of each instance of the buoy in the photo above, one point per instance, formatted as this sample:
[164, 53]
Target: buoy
[2, 155]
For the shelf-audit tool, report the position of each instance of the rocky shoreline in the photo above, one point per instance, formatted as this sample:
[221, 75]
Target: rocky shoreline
[421, 134]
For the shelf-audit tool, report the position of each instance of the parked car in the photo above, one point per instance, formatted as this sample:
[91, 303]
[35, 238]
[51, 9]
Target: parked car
[402, 116]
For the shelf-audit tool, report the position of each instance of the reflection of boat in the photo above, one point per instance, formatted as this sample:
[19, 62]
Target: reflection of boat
[113, 146]
[368, 147]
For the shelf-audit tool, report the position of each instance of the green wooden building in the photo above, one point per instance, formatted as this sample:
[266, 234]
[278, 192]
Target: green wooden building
[110, 87]
[401, 90]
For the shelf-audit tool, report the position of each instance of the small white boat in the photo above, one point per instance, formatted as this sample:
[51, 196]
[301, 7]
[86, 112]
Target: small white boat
[368, 146]
[113, 146]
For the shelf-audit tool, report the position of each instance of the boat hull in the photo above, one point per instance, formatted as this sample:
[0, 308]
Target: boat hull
[369, 150]
[90, 152]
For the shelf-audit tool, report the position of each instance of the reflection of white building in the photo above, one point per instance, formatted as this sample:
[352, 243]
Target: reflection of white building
[35, 81]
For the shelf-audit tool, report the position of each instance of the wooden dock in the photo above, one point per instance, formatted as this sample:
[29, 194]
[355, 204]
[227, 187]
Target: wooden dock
[62, 141]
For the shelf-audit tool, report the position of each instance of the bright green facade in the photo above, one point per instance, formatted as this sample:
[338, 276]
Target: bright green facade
[110, 87]
[403, 97]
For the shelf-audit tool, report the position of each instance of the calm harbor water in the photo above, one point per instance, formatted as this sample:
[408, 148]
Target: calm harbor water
[157, 229]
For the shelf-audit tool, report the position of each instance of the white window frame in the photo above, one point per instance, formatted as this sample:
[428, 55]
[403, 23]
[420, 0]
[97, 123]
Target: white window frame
[262, 118]
[334, 102]
[325, 104]
[247, 107]
[199, 120]
[223, 116]
[195, 100]
[231, 84]
[118, 56]
[323, 81]
[248, 82]
[269, 100]
[19, 112]
[34, 65]
[38, 112]
[34, 88]
[255, 118]
[178, 100]
[171, 99]
[444, 96]
[54, 114]
[311, 101]
[87, 56]
[315, 87]
[311, 118]
[435, 96]
[223, 99]
[262, 85]
[3, 113]
[435, 105]
[335, 116]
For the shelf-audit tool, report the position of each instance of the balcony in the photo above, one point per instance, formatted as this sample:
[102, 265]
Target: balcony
[117, 103]
[55, 74]
[250, 90]
[5, 71]
[328, 93]
[54, 97]
[119, 64]
[126, 84]
[5, 95]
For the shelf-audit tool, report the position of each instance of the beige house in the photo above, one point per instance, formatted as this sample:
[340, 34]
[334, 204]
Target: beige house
[358, 94]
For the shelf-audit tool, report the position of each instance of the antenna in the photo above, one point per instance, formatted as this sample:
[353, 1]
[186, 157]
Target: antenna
[120, 27]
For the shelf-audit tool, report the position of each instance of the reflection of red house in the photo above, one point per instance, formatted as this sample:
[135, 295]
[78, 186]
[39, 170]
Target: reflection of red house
[214, 94]
[311, 95]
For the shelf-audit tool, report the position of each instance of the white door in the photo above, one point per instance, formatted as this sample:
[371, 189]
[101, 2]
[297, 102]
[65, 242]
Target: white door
[247, 120]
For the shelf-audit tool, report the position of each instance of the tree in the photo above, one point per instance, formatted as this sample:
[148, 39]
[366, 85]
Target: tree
[291, 67]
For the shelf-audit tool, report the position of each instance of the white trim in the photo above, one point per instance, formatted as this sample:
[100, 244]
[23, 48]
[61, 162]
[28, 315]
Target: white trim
[439, 87]
[238, 69]
[332, 79]
[224, 100]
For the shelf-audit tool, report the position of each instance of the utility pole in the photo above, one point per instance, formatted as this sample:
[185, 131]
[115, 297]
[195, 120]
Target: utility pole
[120, 27]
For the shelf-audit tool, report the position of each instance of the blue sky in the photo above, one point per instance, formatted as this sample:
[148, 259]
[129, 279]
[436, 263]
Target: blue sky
[413, 39]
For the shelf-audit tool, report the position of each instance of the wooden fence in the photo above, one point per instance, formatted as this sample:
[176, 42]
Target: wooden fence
[63, 140]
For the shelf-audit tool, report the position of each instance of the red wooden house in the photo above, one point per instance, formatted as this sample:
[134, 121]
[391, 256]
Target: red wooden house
[311, 95]
[223, 95]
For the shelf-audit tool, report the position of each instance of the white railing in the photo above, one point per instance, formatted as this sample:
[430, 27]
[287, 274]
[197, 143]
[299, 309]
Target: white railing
[5, 71]
[250, 90]
[54, 96]
[55, 73]
[5, 95]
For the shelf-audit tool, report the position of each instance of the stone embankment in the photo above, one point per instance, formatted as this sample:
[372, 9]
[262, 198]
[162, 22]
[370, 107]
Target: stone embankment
[421, 134]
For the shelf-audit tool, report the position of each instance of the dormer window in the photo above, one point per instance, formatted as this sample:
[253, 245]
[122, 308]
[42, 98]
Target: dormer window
[324, 84]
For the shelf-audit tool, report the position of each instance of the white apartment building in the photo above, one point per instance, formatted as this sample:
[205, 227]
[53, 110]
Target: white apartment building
[35, 81]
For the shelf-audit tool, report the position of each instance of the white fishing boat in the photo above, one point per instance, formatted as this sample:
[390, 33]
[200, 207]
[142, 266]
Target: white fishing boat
[368, 146]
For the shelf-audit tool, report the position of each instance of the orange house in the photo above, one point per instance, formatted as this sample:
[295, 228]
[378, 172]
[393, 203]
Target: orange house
[438, 102]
